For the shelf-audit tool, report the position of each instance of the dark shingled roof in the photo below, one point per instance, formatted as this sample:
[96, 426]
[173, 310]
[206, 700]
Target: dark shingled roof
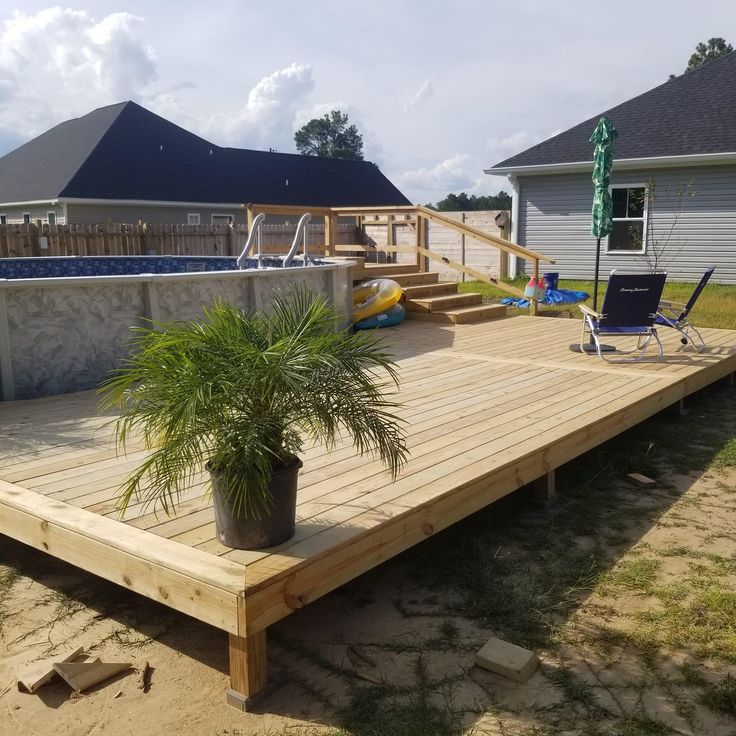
[127, 152]
[690, 114]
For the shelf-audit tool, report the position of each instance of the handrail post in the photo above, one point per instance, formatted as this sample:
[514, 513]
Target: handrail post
[330, 234]
[421, 243]
[534, 303]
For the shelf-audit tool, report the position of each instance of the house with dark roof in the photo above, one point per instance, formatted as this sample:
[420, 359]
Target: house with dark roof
[673, 184]
[123, 163]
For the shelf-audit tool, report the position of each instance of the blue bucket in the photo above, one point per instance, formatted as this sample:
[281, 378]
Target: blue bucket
[551, 280]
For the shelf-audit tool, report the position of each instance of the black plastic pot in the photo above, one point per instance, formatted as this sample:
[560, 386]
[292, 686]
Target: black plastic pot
[272, 528]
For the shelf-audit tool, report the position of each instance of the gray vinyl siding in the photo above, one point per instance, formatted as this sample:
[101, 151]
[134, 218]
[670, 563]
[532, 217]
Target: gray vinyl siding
[37, 211]
[94, 214]
[554, 218]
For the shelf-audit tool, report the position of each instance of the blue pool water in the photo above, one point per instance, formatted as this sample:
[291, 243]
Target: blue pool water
[65, 266]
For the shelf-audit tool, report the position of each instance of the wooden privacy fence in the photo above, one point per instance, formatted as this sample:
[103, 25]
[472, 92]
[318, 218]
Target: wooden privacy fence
[112, 239]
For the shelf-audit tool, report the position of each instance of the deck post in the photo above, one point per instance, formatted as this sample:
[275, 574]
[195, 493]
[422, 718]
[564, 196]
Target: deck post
[534, 304]
[248, 670]
[544, 487]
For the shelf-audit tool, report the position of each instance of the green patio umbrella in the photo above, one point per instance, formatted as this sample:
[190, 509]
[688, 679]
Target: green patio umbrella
[602, 215]
[602, 222]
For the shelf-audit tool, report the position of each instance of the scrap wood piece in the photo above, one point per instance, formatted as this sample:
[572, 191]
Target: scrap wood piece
[84, 675]
[42, 672]
[641, 480]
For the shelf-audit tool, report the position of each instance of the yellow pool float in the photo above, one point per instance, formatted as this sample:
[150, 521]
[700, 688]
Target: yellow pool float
[373, 297]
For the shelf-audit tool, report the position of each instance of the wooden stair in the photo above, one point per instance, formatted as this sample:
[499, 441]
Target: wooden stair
[429, 299]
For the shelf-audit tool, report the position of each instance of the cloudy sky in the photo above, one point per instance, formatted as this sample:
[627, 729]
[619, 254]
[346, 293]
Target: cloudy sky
[440, 90]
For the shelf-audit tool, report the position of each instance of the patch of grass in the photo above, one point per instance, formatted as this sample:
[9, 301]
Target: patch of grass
[577, 690]
[637, 574]
[691, 676]
[705, 623]
[722, 696]
[377, 711]
[641, 725]
[716, 306]
[8, 578]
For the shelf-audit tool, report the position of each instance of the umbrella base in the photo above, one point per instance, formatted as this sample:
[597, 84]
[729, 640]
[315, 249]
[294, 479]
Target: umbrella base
[590, 348]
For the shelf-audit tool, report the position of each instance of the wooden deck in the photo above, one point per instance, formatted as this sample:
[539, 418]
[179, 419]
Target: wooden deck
[490, 407]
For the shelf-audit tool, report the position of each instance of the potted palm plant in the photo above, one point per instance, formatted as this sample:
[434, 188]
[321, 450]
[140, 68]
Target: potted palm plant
[239, 394]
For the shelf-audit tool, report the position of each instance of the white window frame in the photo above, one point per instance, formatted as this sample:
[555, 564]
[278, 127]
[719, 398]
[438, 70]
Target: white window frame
[193, 218]
[645, 219]
[23, 216]
[49, 215]
[216, 219]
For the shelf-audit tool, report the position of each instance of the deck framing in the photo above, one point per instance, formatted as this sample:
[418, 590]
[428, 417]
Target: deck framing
[489, 408]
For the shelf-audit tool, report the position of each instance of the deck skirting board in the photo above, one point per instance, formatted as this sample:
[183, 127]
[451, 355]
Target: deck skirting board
[129, 561]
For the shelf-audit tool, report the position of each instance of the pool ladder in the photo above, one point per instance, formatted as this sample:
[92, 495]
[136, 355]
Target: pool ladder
[255, 236]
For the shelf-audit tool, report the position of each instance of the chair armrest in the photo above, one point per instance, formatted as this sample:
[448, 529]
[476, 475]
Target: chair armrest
[588, 312]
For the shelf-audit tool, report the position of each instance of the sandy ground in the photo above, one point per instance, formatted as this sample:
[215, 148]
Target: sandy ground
[386, 627]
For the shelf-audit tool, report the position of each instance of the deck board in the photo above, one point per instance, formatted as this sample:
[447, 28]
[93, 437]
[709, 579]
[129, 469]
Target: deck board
[488, 407]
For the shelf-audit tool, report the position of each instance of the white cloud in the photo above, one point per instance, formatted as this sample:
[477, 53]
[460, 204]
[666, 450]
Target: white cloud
[501, 148]
[60, 63]
[451, 175]
[269, 116]
[424, 93]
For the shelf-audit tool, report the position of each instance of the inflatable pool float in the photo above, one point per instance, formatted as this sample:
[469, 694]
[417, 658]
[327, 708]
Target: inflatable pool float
[389, 318]
[373, 297]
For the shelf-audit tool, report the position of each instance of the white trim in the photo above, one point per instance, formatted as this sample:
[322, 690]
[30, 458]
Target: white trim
[30, 202]
[618, 164]
[644, 219]
[220, 215]
[514, 233]
[153, 203]
[130, 202]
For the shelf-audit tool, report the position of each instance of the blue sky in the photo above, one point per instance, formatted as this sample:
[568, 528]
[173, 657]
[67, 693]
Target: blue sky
[439, 90]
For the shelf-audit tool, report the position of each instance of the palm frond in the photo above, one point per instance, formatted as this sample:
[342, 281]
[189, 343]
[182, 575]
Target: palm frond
[242, 392]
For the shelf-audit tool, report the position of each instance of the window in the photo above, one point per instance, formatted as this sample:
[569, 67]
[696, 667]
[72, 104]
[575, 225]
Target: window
[51, 218]
[26, 218]
[193, 218]
[222, 219]
[3, 219]
[629, 219]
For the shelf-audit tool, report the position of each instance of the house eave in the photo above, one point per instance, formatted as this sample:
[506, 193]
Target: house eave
[699, 159]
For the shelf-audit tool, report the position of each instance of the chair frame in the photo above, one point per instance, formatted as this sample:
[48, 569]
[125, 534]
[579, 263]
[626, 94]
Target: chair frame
[643, 332]
[675, 314]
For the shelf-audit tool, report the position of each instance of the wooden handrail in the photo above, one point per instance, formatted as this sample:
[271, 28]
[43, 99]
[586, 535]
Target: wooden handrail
[505, 245]
[477, 275]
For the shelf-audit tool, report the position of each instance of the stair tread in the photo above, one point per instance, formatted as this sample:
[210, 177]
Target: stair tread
[476, 308]
[459, 296]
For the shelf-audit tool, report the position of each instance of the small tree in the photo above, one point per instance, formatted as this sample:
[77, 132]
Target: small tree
[330, 137]
[663, 250]
[704, 53]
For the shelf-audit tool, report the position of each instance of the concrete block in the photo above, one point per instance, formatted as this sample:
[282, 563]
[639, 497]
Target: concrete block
[508, 660]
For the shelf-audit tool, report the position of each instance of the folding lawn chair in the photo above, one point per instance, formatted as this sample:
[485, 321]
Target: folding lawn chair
[668, 316]
[629, 309]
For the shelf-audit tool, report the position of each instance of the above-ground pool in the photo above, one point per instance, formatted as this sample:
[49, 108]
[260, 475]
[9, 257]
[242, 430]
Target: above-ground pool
[70, 266]
[65, 322]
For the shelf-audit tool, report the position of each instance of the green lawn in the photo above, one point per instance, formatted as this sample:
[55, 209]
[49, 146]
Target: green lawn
[716, 306]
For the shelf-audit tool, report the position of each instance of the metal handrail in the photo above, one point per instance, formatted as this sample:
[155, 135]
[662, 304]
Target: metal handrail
[255, 233]
[301, 232]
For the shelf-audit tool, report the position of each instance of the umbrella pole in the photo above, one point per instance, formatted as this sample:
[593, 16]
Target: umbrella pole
[595, 281]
